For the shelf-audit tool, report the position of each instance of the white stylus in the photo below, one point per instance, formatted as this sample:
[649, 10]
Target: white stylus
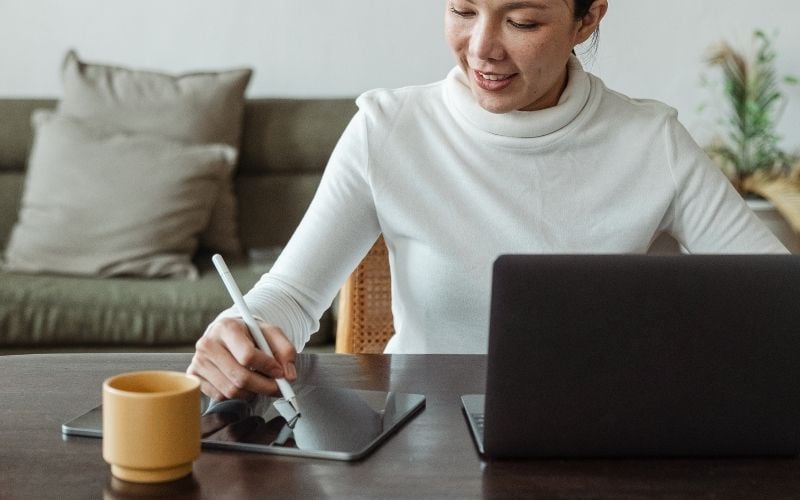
[255, 331]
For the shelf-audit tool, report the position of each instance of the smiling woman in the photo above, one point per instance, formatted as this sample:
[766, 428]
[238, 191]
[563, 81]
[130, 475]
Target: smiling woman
[516, 150]
[516, 52]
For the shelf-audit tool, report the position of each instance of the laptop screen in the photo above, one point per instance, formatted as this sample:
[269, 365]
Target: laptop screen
[629, 355]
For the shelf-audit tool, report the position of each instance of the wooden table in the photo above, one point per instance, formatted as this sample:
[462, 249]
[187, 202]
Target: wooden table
[431, 457]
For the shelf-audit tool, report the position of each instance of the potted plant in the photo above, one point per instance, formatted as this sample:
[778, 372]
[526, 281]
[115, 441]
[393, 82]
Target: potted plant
[753, 102]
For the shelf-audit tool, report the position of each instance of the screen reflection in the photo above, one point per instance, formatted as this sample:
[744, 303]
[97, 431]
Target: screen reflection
[333, 423]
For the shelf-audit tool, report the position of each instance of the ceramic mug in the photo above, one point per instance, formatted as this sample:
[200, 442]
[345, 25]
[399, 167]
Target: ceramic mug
[151, 425]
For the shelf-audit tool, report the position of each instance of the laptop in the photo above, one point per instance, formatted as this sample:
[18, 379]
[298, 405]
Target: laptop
[641, 356]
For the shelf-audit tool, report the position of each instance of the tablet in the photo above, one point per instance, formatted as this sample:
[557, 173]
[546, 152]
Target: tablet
[334, 423]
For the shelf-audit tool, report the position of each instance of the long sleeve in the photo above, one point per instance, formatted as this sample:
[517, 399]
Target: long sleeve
[708, 215]
[337, 230]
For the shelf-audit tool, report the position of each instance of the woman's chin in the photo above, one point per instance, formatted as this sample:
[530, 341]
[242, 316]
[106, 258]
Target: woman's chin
[494, 105]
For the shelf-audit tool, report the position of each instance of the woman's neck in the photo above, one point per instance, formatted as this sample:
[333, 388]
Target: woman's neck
[569, 98]
[551, 98]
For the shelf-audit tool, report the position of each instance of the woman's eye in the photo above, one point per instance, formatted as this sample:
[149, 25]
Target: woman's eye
[460, 13]
[523, 26]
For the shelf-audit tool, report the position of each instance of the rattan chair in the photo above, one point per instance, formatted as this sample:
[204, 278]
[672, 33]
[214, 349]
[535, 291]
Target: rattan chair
[365, 305]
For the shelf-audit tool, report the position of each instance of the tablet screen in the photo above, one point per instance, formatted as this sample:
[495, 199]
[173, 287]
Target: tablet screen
[335, 423]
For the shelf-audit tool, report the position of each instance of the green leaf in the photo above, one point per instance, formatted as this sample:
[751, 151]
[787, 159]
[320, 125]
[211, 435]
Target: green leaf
[750, 87]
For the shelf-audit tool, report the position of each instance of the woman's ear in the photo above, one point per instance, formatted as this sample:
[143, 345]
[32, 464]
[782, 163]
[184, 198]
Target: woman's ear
[591, 21]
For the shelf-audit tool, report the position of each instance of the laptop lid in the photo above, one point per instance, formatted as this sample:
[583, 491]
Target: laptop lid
[629, 355]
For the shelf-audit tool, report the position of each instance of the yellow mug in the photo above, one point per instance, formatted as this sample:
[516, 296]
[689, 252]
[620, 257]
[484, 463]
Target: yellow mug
[151, 425]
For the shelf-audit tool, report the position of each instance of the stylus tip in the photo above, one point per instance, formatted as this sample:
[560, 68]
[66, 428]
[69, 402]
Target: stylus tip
[294, 404]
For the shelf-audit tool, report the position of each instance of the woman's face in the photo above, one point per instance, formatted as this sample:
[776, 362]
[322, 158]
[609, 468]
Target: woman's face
[515, 53]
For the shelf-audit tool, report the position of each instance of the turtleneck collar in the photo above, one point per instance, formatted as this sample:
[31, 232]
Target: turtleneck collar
[520, 124]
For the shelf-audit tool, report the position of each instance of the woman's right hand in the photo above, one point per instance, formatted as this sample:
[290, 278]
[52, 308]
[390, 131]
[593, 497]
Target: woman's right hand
[230, 366]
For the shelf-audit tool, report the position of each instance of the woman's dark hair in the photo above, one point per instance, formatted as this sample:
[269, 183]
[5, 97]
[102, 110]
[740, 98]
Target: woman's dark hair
[581, 9]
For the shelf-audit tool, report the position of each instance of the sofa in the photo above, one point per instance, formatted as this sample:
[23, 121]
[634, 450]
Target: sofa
[285, 147]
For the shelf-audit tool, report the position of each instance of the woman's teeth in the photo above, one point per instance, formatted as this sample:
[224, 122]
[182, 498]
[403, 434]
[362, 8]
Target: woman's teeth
[495, 78]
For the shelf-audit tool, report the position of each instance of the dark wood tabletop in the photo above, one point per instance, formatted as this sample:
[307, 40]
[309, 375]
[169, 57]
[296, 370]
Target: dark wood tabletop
[432, 456]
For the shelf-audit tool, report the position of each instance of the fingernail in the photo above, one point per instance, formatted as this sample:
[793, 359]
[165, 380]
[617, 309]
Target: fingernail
[291, 371]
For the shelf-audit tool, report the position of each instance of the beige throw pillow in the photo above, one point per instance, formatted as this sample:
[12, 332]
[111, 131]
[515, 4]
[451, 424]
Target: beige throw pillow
[194, 107]
[113, 204]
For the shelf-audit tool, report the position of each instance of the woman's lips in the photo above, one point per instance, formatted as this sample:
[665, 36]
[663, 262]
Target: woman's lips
[493, 82]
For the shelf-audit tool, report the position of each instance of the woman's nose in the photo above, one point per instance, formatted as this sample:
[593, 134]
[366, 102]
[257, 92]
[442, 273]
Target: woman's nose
[485, 43]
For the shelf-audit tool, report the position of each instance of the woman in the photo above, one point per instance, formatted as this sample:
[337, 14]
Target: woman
[518, 150]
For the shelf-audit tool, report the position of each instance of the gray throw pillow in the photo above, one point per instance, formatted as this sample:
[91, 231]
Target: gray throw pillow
[195, 107]
[108, 204]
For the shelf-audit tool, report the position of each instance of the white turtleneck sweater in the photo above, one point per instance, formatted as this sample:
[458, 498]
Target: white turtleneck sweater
[452, 186]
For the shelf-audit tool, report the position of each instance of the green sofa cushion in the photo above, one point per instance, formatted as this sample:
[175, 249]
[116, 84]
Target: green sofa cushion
[61, 310]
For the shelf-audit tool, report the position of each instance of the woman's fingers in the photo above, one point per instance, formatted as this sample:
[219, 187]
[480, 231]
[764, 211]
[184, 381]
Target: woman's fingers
[282, 350]
[206, 387]
[230, 366]
[210, 363]
[243, 348]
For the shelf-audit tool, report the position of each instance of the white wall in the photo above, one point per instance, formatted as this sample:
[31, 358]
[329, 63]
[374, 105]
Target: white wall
[655, 49]
[648, 48]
